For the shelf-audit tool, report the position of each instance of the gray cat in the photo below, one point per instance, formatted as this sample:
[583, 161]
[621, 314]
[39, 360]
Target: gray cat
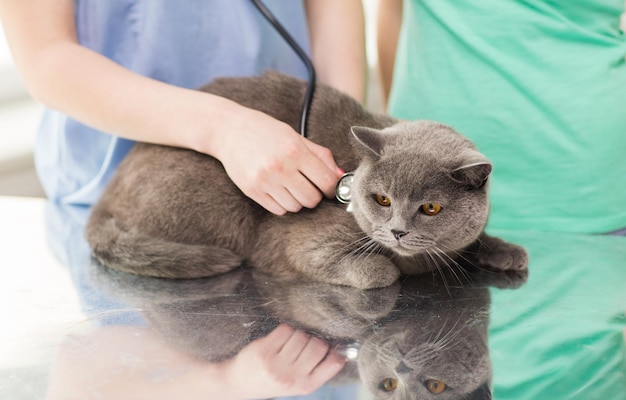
[419, 201]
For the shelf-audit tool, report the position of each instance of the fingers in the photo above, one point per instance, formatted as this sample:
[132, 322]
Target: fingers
[282, 201]
[315, 364]
[306, 362]
[297, 192]
[266, 201]
[270, 204]
[298, 182]
[306, 354]
[303, 352]
[314, 173]
[320, 168]
[278, 169]
[278, 337]
[327, 368]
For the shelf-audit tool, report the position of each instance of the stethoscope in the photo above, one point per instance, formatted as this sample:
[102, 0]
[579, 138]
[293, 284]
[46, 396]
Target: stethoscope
[310, 89]
[343, 192]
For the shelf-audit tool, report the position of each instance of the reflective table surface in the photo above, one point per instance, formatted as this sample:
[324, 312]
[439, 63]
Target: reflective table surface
[76, 330]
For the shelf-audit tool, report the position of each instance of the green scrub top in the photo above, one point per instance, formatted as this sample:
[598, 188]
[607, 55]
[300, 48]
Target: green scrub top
[561, 335]
[540, 87]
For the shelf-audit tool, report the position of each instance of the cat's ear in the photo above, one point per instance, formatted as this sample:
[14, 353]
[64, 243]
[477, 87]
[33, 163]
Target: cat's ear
[369, 138]
[473, 171]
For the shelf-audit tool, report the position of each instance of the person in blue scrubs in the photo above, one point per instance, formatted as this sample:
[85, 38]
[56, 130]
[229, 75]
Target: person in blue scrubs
[115, 72]
[119, 71]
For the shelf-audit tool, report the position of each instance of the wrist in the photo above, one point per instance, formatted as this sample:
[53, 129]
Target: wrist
[222, 383]
[211, 124]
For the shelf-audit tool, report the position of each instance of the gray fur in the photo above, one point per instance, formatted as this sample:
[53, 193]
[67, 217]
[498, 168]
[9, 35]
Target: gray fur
[174, 213]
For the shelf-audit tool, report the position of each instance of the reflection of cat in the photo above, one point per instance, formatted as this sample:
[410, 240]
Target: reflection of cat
[430, 348]
[432, 343]
[211, 319]
[419, 201]
[414, 338]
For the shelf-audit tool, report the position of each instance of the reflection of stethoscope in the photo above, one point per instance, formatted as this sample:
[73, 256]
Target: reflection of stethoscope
[343, 192]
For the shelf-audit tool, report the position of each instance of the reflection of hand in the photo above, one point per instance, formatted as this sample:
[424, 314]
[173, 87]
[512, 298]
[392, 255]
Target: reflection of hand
[284, 363]
[273, 165]
[133, 363]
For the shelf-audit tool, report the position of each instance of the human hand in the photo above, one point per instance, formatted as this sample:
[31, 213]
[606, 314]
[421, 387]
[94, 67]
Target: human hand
[286, 362]
[283, 363]
[273, 165]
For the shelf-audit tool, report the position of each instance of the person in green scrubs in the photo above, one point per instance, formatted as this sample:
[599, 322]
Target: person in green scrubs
[540, 87]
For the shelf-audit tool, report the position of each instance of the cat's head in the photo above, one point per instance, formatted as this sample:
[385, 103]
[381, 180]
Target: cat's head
[434, 345]
[417, 362]
[420, 185]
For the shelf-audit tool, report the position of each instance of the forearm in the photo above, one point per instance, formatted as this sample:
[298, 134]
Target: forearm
[96, 91]
[337, 31]
[89, 87]
[98, 364]
[388, 28]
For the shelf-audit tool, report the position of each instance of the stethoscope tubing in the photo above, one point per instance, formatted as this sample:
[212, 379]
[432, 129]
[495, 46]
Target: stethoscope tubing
[310, 89]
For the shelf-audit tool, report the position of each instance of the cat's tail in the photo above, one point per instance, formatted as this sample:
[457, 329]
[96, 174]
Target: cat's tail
[135, 253]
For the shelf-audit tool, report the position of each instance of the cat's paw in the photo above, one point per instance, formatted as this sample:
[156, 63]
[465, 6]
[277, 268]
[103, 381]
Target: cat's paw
[375, 303]
[495, 262]
[503, 256]
[375, 271]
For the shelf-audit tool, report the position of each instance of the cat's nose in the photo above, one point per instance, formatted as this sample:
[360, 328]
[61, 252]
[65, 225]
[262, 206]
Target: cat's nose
[402, 368]
[398, 234]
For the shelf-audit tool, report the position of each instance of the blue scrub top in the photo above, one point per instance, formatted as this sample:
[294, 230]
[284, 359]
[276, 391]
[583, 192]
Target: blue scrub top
[186, 45]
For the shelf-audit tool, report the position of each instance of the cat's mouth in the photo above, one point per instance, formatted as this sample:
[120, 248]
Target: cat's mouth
[410, 247]
[406, 251]
[406, 245]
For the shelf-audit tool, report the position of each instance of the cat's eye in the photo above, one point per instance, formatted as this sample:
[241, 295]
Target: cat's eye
[383, 200]
[435, 386]
[431, 208]
[389, 384]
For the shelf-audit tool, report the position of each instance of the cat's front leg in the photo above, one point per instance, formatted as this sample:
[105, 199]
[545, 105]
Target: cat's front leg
[496, 254]
[327, 245]
[338, 262]
[345, 257]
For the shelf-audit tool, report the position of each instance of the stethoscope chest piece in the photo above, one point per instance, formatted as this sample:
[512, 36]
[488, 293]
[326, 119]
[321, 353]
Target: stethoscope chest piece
[343, 190]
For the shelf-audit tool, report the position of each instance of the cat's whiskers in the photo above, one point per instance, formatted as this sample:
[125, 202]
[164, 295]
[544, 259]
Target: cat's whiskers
[372, 249]
[460, 255]
[357, 245]
[439, 269]
[433, 337]
[376, 247]
[363, 246]
[444, 261]
[421, 355]
[432, 347]
[453, 333]
[432, 267]
[454, 264]
[381, 236]
[436, 342]
[418, 242]
[385, 352]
